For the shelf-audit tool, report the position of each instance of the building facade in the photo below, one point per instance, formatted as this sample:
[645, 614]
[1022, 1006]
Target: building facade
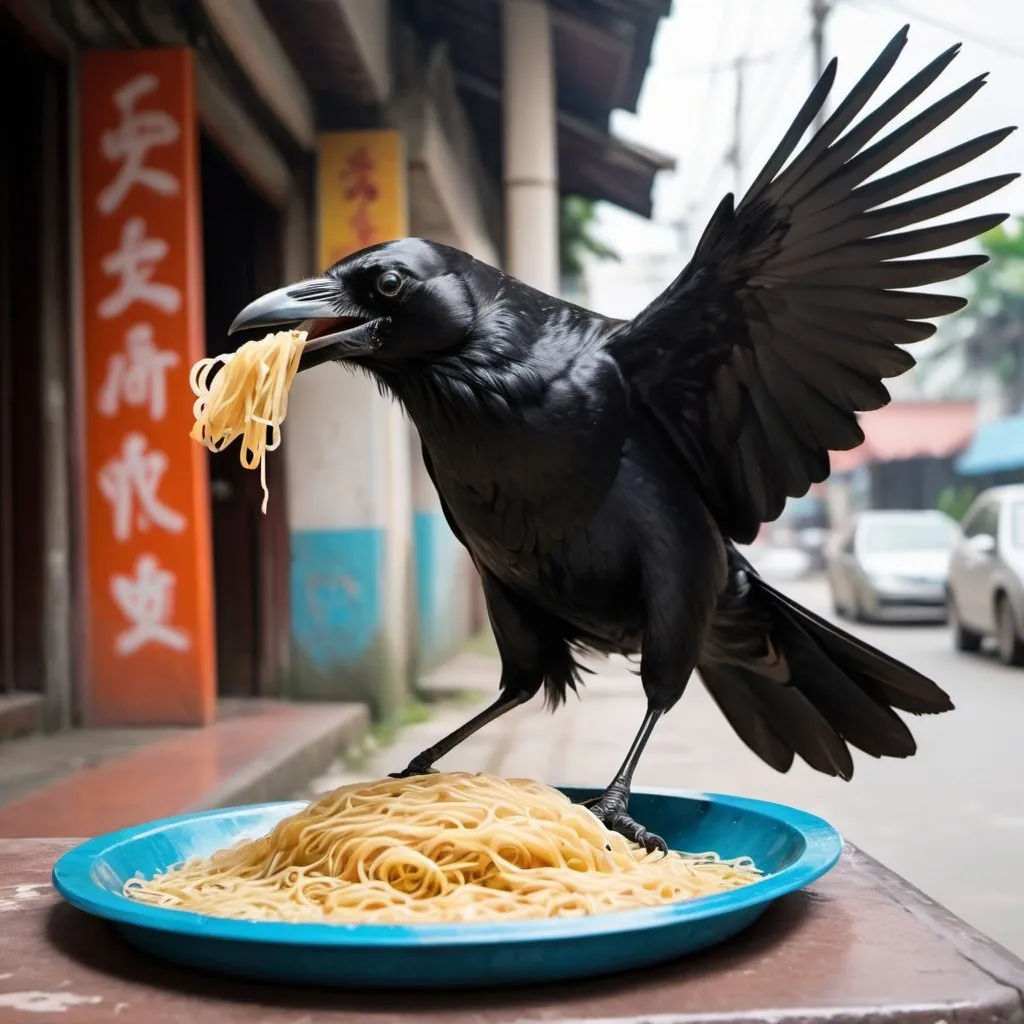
[174, 160]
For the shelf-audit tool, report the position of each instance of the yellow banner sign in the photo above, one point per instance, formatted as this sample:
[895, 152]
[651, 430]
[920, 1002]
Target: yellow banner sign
[361, 192]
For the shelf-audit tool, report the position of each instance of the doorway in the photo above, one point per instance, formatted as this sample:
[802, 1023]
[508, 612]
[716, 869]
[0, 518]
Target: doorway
[242, 243]
[32, 207]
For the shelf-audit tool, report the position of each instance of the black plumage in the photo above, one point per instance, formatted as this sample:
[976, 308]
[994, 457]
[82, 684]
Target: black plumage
[600, 472]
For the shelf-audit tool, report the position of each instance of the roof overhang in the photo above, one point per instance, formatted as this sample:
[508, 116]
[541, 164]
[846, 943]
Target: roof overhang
[602, 47]
[591, 162]
[341, 47]
[602, 50]
[909, 430]
[997, 446]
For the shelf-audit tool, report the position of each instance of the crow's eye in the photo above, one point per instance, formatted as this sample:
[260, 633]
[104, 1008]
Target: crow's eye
[389, 283]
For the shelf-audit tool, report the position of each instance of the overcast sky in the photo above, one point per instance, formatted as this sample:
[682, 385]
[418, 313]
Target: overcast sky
[687, 111]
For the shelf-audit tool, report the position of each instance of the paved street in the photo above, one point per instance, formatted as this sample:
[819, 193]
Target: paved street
[936, 818]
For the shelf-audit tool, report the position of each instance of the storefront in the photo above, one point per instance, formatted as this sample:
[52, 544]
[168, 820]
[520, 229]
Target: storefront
[172, 162]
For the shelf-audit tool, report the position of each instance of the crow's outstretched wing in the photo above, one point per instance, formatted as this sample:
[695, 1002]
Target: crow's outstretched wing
[756, 359]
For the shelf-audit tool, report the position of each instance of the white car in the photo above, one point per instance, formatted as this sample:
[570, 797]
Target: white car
[986, 575]
[891, 565]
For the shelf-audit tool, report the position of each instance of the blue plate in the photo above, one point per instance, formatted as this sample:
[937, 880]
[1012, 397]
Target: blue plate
[792, 847]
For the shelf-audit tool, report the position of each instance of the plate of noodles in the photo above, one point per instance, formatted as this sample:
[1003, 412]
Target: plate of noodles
[444, 881]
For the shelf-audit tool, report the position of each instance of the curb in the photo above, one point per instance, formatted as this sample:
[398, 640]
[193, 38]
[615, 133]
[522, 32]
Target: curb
[290, 765]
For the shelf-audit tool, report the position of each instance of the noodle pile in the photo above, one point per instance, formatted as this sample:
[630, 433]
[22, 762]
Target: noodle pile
[445, 847]
[247, 398]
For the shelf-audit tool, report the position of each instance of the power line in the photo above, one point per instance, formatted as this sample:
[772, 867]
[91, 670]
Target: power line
[957, 30]
[734, 154]
[738, 65]
[726, 65]
[769, 94]
[779, 82]
[705, 106]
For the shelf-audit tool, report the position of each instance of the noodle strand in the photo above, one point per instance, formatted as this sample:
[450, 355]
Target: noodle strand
[247, 398]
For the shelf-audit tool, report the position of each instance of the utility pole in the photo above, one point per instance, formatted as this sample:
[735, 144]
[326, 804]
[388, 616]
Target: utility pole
[819, 12]
[735, 155]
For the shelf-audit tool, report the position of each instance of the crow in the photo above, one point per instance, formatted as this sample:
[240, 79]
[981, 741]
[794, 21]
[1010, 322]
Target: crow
[601, 472]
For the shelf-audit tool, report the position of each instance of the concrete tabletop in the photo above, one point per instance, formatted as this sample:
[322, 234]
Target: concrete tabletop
[860, 945]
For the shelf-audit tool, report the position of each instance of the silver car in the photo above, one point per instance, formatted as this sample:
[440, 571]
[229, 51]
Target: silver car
[986, 590]
[889, 565]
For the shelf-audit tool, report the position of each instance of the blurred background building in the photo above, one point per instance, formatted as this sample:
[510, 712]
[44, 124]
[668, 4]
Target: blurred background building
[170, 161]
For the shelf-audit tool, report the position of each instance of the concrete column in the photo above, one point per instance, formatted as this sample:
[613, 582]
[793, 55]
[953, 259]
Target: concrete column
[531, 145]
[349, 509]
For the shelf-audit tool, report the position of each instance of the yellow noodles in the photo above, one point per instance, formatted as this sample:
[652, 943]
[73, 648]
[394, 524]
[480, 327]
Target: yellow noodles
[247, 398]
[444, 847]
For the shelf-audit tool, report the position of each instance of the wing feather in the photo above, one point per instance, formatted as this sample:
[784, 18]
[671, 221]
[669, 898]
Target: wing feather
[782, 327]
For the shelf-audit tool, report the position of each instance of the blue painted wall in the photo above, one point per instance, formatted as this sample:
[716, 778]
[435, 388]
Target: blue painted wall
[440, 597]
[337, 593]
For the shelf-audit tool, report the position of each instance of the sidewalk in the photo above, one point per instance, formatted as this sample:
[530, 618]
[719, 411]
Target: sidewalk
[582, 743]
[89, 781]
[693, 748]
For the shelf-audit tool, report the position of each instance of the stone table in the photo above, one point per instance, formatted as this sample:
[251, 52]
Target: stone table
[860, 945]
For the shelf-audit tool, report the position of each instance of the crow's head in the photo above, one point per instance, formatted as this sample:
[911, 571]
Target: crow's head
[386, 307]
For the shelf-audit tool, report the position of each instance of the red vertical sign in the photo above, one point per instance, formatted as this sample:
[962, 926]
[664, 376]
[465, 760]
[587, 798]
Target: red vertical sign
[151, 643]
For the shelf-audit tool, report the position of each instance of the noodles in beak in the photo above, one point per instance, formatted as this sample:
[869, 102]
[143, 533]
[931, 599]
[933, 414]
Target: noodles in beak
[247, 398]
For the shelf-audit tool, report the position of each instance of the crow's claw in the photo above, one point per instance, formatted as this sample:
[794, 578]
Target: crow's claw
[412, 771]
[615, 817]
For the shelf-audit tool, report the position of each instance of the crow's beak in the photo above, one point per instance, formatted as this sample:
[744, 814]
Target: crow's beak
[336, 327]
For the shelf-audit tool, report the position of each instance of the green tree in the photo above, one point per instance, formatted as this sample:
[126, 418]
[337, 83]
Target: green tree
[993, 328]
[576, 237]
[955, 500]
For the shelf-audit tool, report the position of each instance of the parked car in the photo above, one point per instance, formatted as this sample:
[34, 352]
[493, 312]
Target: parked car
[986, 575]
[802, 527]
[891, 565]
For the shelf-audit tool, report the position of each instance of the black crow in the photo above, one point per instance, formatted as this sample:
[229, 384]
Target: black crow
[600, 471]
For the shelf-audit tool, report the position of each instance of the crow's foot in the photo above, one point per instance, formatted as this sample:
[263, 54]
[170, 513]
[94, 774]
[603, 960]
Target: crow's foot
[416, 767]
[612, 809]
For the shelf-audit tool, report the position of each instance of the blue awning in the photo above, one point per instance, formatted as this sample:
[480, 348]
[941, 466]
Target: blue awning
[997, 445]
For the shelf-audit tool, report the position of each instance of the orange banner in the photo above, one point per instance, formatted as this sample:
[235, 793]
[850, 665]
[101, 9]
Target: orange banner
[150, 588]
[361, 190]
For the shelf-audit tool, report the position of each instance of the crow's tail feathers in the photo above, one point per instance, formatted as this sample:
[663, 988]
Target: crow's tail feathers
[790, 683]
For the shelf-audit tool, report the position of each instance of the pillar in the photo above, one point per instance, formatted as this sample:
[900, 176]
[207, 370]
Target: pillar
[341, 444]
[531, 144]
[347, 450]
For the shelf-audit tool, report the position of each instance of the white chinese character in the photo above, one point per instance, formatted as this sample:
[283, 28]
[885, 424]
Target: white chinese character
[138, 133]
[146, 600]
[137, 376]
[134, 478]
[134, 263]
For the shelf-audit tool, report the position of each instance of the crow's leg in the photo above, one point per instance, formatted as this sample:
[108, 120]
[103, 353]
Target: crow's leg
[531, 648]
[423, 763]
[683, 577]
[612, 807]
